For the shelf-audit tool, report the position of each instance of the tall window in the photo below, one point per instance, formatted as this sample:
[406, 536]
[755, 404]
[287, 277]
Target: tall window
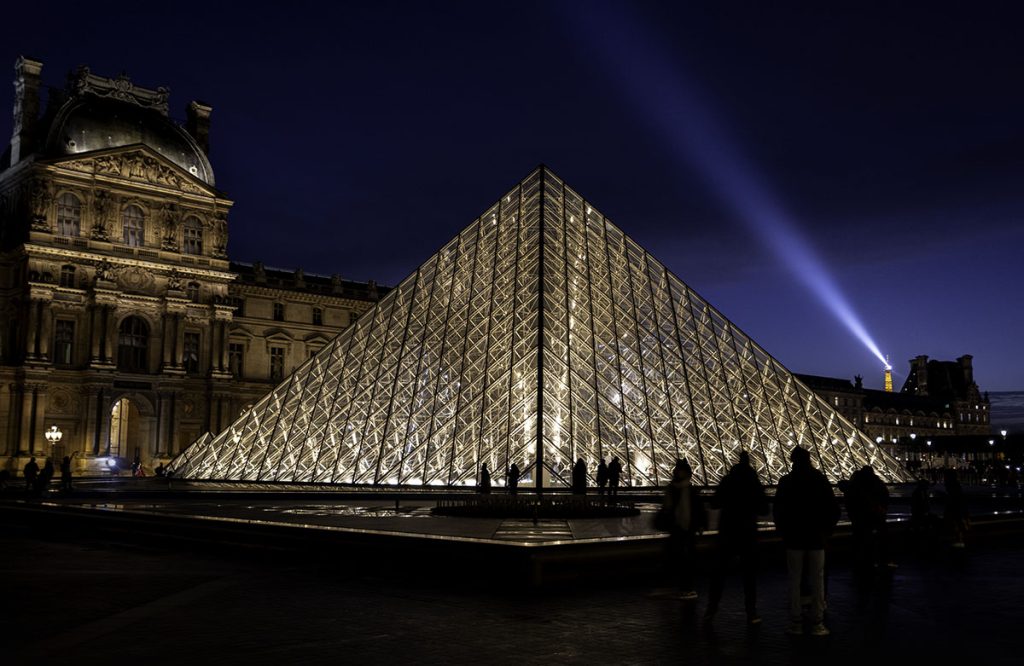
[191, 352]
[276, 363]
[192, 232]
[63, 342]
[236, 358]
[192, 291]
[318, 317]
[239, 304]
[133, 224]
[69, 215]
[278, 311]
[67, 276]
[133, 345]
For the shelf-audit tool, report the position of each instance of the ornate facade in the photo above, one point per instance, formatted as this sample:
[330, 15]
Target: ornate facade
[124, 323]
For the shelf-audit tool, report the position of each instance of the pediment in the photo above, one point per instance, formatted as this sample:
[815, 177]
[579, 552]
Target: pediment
[137, 163]
[317, 337]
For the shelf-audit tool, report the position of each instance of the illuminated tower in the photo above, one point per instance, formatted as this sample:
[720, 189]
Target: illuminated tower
[888, 376]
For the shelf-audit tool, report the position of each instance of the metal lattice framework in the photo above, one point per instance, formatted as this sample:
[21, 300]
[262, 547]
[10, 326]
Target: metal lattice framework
[539, 335]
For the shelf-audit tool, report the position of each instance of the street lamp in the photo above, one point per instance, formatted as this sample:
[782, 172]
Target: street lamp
[53, 436]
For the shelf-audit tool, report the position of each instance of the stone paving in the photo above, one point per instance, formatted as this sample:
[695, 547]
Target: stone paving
[93, 601]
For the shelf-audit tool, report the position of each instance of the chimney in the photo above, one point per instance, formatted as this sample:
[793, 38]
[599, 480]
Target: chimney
[26, 106]
[197, 123]
[919, 366]
[967, 366]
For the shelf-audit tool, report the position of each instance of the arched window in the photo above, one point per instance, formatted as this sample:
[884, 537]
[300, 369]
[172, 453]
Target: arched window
[133, 345]
[67, 276]
[133, 223]
[69, 215]
[193, 236]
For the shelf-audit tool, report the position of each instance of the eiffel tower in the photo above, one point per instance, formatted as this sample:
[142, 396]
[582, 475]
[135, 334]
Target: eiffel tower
[539, 335]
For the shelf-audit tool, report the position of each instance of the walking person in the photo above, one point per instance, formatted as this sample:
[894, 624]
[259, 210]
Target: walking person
[741, 499]
[485, 480]
[954, 515]
[30, 472]
[602, 477]
[684, 505]
[513, 479]
[805, 513]
[614, 474]
[579, 477]
[44, 478]
[65, 474]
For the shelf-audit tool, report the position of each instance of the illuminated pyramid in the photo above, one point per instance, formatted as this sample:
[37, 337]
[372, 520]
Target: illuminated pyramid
[541, 334]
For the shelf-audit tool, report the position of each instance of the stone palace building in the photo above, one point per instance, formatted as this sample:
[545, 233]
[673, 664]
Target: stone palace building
[123, 323]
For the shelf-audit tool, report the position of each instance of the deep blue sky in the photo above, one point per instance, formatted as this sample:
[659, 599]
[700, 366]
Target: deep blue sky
[358, 138]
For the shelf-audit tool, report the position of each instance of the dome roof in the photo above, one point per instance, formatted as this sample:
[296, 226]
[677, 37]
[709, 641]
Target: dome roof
[89, 123]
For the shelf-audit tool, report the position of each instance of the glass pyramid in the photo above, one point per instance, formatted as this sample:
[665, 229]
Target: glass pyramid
[539, 335]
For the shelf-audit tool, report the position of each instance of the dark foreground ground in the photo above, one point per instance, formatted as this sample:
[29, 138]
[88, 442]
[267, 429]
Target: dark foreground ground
[114, 601]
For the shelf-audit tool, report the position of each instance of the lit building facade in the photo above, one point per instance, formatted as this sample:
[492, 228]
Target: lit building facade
[938, 398]
[124, 322]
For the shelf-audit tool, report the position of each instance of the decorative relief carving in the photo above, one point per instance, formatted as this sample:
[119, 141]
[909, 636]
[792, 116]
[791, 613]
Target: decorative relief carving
[40, 199]
[102, 204]
[134, 278]
[104, 271]
[135, 165]
[219, 228]
[169, 219]
[85, 82]
[62, 401]
[174, 281]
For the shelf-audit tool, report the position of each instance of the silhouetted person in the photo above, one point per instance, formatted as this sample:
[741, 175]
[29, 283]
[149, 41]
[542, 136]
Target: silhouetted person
[602, 477]
[579, 477]
[683, 503]
[955, 514]
[137, 466]
[160, 470]
[921, 519]
[741, 499]
[31, 473]
[805, 513]
[614, 474]
[44, 478]
[65, 473]
[867, 503]
[485, 480]
[513, 478]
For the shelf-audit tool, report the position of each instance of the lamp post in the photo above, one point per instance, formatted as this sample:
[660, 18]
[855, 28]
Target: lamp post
[53, 436]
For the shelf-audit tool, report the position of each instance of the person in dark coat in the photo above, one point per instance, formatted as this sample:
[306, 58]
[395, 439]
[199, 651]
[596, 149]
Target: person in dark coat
[805, 512]
[602, 477]
[688, 520]
[740, 498]
[65, 473]
[45, 476]
[30, 472]
[614, 474]
[867, 503]
[485, 480]
[513, 479]
[954, 515]
[579, 477]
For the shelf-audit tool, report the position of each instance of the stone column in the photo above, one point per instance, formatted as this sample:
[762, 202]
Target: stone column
[94, 334]
[32, 330]
[224, 346]
[167, 340]
[103, 413]
[39, 443]
[29, 402]
[90, 422]
[45, 329]
[15, 398]
[110, 342]
[179, 339]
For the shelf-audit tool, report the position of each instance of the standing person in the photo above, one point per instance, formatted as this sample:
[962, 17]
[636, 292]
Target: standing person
[614, 473]
[485, 480]
[741, 499]
[805, 512]
[45, 476]
[65, 473]
[579, 477]
[513, 479]
[955, 513]
[684, 505]
[30, 472]
[602, 477]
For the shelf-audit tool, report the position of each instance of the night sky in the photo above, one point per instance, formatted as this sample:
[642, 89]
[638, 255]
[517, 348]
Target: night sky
[888, 142]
